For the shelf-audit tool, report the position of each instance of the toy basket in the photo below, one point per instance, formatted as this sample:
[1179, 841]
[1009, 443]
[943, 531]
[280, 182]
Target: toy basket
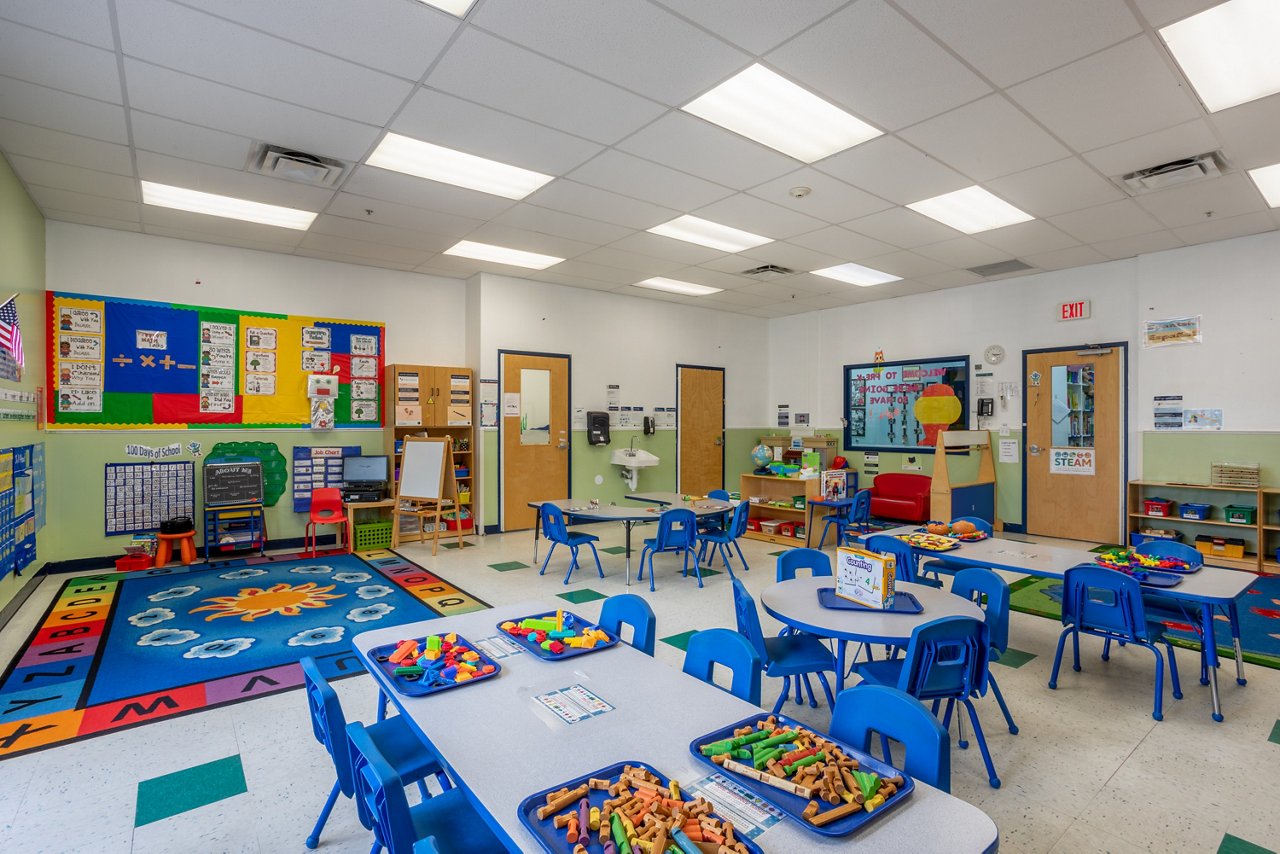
[372, 535]
[1191, 510]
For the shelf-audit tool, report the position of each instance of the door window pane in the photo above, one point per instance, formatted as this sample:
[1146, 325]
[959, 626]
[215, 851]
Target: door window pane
[1072, 416]
[535, 407]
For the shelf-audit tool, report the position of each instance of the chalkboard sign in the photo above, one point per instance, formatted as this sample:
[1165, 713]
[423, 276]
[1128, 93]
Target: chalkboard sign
[232, 481]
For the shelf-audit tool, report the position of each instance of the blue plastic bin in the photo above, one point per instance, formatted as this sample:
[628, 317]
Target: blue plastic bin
[1137, 538]
[1190, 510]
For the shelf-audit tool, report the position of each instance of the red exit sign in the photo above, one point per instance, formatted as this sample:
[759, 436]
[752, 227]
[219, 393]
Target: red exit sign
[1078, 310]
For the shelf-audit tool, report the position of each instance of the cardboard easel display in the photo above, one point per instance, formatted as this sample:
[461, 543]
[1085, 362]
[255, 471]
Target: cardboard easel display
[425, 486]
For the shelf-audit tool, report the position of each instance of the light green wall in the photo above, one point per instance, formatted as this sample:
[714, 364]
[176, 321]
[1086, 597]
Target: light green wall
[22, 272]
[1187, 456]
[76, 491]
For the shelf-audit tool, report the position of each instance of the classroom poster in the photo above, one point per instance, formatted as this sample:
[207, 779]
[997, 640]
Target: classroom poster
[215, 400]
[315, 336]
[260, 338]
[79, 400]
[364, 345]
[80, 320]
[152, 339]
[904, 405]
[363, 367]
[260, 361]
[260, 384]
[315, 361]
[80, 374]
[1175, 330]
[80, 347]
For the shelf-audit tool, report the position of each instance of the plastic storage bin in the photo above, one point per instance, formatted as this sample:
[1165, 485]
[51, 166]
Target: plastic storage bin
[133, 563]
[1146, 535]
[753, 524]
[1191, 510]
[797, 501]
[1240, 514]
[372, 535]
[1157, 507]
[770, 526]
[787, 529]
[1220, 546]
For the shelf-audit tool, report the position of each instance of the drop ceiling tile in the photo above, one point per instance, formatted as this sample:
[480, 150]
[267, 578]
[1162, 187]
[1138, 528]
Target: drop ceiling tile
[59, 63]
[24, 139]
[757, 216]
[1011, 40]
[61, 111]
[906, 265]
[63, 177]
[204, 236]
[372, 232]
[806, 283]
[359, 260]
[498, 74]
[1226, 196]
[1067, 185]
[1163, 12]
[190, 142]
[949, 279]
[193, 225]
[1061, 259]
[669, 249]
[711, 277]
[640, 179]
[421, 193]
[789, 255]
[189, 41]
[454, 123]
[830, 200]
[1225, 229]
[648, 293]
[100, 206]
[462, 268]
[754, 25]
[86, 219]
[780, 290]
[392, 36]
[734, 265]
[88, 21]
[362, 249]
[692, 145]
[902, 227]
[529, 241]
[611, 277]
[645, 265]
[401, 216]
[819, 303]
[1185, 140]
[893, 170]
[733, 300]
[1027, 238]
[199, 102]
[548, 221]
[635, 45]
[1141, 244]
[985, 139]
[568, 281]
[1124, 91]
[1250, 133]
[230, 182]
[1107, 222]
[842, 243]
[879, 66]
[963, 252]
[594, 203]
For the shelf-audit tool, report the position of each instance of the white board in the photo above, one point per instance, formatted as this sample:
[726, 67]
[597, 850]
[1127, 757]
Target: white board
[420, 468]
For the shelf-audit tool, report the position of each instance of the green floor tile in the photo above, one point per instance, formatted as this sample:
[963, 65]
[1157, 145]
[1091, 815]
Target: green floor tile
[171, 794]
[508, 565]
[1235, 845]
[1274, 738]
[454, 545]
[615, 550]
[707, 572]
[1015, 657]
[775, 554]
[680, 641]
[577, 597]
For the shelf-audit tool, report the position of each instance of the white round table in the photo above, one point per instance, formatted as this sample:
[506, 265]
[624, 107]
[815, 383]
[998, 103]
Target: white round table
[795, 603]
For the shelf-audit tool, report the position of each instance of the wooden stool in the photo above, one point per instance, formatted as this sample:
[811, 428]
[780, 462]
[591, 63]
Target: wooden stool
[187, 545]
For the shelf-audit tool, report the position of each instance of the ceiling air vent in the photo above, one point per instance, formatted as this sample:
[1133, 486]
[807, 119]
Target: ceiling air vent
[768, 271]
[1174, 173]
[1000, 268]
[280, 162]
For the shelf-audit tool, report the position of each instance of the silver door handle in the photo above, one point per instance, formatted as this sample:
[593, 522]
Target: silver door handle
[563, 445]
[719, 440]
[1034, 450]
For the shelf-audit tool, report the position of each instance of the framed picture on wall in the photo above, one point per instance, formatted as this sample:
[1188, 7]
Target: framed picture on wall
[857, 422]
[904, 405]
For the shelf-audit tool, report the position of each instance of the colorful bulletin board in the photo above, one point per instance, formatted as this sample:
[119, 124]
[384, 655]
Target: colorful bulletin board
[24, 507]
[142, 495]
[127, 364]
[8, 543]
[893, 406]
[316, 468]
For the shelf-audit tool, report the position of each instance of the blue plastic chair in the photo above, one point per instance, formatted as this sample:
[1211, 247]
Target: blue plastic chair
[723, 646]
[677, 532]
[634, 611]
[839, 517]
[721, 540]
[812, 559]
[384, 809]
[407, 753]
[859, 517]
[866, 709]
[1108, 604]
[716, 521]
[1171, 548]
[553, 527]
[785, 656]
[938, 566]
[991, 593]
[904, 558]
[945, 660]
[1165, 608]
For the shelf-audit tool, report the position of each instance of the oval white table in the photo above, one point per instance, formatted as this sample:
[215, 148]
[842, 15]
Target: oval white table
[795, 603]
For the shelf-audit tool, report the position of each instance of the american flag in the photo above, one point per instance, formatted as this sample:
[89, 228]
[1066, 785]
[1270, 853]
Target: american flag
[10, 334]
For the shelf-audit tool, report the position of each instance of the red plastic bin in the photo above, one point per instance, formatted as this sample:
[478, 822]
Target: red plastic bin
[133, 563]
[1157, 507]
[452, 524]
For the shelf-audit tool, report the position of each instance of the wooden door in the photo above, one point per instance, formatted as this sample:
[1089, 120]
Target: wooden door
[700, 404]
[1074, 438]
[534, 434]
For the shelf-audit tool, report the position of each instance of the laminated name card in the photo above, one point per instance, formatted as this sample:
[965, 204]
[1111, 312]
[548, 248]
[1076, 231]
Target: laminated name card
[865, 577]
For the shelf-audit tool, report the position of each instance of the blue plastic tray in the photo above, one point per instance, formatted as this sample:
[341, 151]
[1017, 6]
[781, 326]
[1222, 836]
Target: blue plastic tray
[923, 550]
[415, 688]
[793, 805]
[903, 603]
[569, 651]
[553, 840]
[1160, 578]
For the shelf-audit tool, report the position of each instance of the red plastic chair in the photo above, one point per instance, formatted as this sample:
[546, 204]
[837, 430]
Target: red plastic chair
[326, 509]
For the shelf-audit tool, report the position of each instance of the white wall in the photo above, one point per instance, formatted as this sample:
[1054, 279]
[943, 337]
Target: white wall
[425, 315]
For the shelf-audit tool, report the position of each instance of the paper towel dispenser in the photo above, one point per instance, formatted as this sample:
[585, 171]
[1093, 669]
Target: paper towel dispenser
[598, 428]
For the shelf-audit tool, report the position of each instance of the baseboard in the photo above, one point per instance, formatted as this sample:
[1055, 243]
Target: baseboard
[1015, 528]
[491, 529]
[29, 586]
[92, 564]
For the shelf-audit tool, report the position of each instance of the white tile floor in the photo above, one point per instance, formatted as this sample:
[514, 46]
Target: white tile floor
[1089, 771]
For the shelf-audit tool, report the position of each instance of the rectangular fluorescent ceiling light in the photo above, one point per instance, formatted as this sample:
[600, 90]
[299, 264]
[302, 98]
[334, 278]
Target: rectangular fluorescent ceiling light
[773, 111]
[437, 163]
[501, 255]
[706, 233]
[1229, 52]
[971, 210]
[678, 287]
[453, 7]
[179, 198]
[856, 274]
[1268, 180]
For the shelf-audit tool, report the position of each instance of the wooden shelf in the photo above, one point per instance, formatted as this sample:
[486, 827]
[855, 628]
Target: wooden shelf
[771, 508]
[778, 539]
[1218, 522]
[1172, 485]
[1271, 527]
[1255, 534]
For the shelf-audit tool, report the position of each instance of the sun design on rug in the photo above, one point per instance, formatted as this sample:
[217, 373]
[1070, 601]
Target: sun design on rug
[254, 602]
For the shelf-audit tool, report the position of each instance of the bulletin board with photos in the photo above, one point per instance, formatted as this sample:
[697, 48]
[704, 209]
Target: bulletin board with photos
[131, 364]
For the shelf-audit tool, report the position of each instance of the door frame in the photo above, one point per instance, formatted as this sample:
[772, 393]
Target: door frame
[568, 418]
[723, 426]
[1123, 346]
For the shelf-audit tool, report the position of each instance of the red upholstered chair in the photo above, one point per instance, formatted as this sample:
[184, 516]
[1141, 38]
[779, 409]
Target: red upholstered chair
[902, 497]
[326, 509]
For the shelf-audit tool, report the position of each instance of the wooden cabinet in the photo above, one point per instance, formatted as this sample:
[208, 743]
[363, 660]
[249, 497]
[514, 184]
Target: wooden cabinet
[1269, 528]
[1261, 539]
[782, 490]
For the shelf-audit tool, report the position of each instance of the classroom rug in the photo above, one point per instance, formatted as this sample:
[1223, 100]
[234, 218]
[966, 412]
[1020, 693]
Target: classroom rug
[117, 650]
[1259, 618]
